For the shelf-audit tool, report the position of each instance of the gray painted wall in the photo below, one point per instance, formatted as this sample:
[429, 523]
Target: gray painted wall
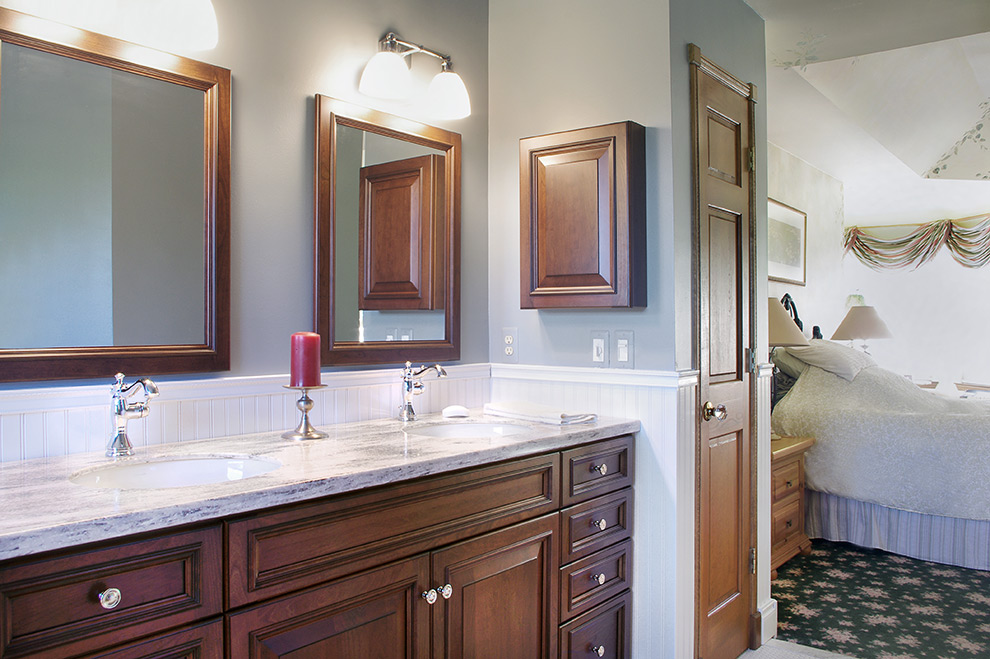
[280, 56]
[542, 84]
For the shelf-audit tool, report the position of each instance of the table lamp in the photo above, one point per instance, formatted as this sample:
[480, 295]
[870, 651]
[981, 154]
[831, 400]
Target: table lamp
[782, 331]
[861, 323]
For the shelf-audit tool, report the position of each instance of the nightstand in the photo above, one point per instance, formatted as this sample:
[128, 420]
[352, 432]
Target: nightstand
[788, 538]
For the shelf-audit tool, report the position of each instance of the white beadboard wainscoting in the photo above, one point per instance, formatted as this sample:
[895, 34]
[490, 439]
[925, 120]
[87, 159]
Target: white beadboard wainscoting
[665, 402]
[61, 420]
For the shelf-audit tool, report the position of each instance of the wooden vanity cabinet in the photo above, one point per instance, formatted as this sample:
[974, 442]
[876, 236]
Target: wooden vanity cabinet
[469, 564]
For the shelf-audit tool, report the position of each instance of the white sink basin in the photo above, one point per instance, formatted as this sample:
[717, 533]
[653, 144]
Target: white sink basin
[174, 472]
[466, 430]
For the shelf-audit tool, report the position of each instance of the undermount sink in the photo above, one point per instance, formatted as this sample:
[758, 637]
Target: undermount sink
[179, 471]
[467, 430]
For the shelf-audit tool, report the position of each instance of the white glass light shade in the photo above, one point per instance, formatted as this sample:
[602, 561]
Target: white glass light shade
[386, 76]
[164, 24]
[447, 97]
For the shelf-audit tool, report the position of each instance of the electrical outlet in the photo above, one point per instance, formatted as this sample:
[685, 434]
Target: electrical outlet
[624, 355]
[599, 348]
[510, 345]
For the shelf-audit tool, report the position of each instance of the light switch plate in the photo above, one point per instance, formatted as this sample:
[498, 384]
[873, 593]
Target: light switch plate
[599, 348]
[624, 353]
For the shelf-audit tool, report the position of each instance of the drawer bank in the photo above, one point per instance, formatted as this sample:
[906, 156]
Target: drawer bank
[529, 556]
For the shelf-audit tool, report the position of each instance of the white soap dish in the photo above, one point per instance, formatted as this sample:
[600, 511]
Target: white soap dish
[455, 412]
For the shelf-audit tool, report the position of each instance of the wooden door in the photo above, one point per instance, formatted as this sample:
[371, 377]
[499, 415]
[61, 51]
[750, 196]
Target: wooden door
[723, 179]
[380, 613]
[503, 602]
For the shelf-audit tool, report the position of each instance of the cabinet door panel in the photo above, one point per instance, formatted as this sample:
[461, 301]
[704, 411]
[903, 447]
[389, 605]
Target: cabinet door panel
[504, 601]
[379, 613]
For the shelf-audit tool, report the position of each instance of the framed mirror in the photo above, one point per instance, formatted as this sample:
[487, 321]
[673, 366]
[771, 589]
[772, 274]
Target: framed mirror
[387, 237]
[114, 206]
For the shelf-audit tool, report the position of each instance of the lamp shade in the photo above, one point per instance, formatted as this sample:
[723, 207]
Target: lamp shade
[164, 24]
[861, 323]
[782, 330]
[447, 96]
[386, 76]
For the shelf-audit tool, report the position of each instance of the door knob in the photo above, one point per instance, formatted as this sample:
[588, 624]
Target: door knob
[711, 410]
[430, 596]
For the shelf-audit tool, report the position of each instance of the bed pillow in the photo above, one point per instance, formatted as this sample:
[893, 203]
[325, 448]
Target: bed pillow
[833, 357]
[788, 363]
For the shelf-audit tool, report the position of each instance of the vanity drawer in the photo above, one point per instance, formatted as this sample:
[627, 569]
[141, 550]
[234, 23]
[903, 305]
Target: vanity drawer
[203, 641]
[604, 631]
[596, 469]
[786, 480]
[592, 525]
[52, 605]
[274, 553]
[592, 580]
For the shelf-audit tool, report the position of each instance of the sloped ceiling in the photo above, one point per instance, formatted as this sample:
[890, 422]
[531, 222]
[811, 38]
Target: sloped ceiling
[887, 96]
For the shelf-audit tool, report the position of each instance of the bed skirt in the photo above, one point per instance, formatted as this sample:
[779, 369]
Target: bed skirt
[961, 542]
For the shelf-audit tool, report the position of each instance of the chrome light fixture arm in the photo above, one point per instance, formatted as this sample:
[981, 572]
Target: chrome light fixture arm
[391, 41]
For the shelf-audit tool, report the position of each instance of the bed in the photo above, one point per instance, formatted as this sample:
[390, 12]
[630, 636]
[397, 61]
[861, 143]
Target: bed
[894, 467]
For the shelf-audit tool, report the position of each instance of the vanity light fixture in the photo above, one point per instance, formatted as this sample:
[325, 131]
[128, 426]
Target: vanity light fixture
[387, 76]
[163, 24]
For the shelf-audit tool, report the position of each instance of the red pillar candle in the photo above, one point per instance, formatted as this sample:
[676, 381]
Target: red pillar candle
[305, 360]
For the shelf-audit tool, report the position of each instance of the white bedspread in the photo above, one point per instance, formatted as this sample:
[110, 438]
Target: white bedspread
[883, 440]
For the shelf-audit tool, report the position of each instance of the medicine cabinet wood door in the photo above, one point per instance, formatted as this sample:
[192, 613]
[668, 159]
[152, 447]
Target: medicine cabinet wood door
[583, 218]
[400, 258]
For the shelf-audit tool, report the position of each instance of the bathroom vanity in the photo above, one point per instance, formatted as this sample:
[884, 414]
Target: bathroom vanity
[377, 542]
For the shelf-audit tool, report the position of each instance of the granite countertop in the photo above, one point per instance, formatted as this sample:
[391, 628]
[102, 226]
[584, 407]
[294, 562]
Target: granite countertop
[42, 510]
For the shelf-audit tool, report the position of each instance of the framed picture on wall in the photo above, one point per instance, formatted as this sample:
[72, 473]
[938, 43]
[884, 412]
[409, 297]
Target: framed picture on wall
[787, 243]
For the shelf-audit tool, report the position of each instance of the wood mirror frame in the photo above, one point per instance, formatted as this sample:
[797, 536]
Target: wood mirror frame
[331, 114]
[103, 361]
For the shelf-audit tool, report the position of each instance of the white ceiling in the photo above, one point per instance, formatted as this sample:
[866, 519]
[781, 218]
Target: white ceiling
[889, 96]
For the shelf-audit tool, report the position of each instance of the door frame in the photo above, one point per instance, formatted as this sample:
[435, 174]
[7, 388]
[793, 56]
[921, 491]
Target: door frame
[700, 65]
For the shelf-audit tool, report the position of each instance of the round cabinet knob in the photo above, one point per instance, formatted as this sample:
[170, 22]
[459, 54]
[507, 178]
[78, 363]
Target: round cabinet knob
[109, 598]
[599, 650]
[599, 578]
[446, 591]
[601, 469]
[600, 524]
[430, 596]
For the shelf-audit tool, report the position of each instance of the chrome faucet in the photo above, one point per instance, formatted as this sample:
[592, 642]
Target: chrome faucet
[412, 387]
[122, 411]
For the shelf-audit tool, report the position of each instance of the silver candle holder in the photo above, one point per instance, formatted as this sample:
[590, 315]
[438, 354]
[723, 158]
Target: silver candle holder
[305, 429]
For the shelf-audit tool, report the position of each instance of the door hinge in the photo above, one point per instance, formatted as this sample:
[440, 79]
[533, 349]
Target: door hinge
[752, 560]
[749, 356]
[752, 159]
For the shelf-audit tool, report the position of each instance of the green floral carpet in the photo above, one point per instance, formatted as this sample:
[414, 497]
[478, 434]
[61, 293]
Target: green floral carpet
[874, 605]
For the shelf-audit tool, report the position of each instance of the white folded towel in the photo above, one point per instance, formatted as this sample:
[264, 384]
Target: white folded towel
[526, 411]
